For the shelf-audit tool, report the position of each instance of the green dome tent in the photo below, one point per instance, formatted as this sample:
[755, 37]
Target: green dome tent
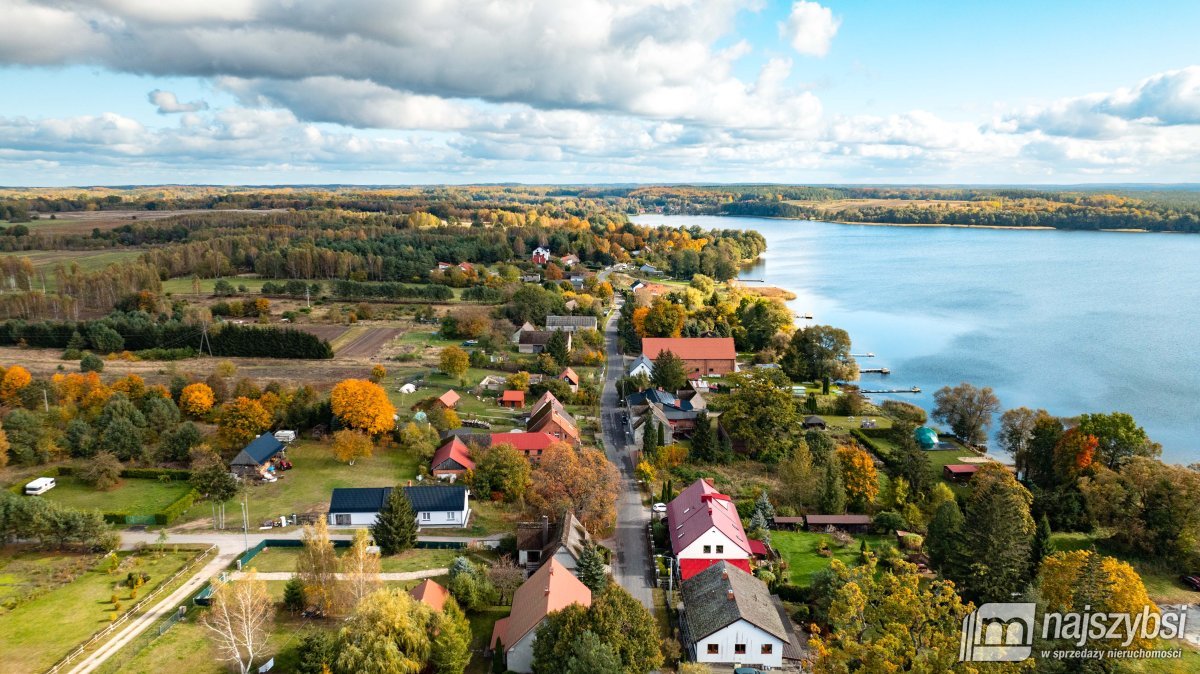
[927, 438]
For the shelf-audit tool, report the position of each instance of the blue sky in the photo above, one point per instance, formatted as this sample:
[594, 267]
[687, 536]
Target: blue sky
[268, 91]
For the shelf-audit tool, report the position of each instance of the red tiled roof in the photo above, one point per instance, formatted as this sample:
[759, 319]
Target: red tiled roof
[962, 468]
[431, 594]
[690, 567]
[449, 398]
[570, 376]
[453, 449]
[512, 396]
[691, 348]
[550, 589]
[563, 423]
[699, 508]
[524, 441]
[758, 548]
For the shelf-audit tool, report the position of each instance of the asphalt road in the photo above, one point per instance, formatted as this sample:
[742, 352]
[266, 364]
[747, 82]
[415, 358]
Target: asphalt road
[632, 569]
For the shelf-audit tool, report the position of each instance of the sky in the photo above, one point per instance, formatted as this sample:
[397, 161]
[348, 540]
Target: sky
[120, 92]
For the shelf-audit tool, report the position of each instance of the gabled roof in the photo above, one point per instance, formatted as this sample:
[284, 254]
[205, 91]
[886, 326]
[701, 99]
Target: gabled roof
[512, 396]
[653, 395]
[569, 375]
[691, 348]
[524, 441]
[568, 532]
[431, 594]
[837, 520]
[258, 452]
[453, 449]
[536, 337]
[641, 361]
[723, 594]
[546, 397]
[371, 499]
[549, 415]
[449, 398]
[699, 508]
[550, 588]
[570, 322]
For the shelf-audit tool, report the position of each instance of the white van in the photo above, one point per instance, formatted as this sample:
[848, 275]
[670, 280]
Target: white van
[40, 486]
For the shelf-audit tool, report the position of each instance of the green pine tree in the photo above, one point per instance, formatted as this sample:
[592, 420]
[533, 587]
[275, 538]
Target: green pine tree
[833, 492]
[1042, 545]
[590, 569]
[293, 595]
[649, 438]
[702, 438]
[395, 529]
[725, 455]
[498, 658]
[662, 435]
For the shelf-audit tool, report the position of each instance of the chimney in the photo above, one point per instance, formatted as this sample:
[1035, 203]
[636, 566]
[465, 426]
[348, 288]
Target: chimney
[545, 531]
[729, 594]
[410, 483]
[724, 574]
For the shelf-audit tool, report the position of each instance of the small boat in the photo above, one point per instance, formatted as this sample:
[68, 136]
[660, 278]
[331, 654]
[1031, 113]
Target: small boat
[808, 317]
[915, 389]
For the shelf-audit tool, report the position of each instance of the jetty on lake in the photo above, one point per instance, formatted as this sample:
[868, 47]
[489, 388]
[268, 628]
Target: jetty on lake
[875, 370]
[862, 355]
[915, 389]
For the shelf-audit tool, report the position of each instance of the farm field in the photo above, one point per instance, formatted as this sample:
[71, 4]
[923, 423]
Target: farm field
[132, 496]
[35, 634]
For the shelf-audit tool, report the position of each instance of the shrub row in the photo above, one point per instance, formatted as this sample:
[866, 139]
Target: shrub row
[173, 511]
[173, 474]
[395, 291]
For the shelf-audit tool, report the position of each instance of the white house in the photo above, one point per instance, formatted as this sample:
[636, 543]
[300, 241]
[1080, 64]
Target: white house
[436, 506]
[705, 530]
[551, 588]
[642, 365]
[730, 617]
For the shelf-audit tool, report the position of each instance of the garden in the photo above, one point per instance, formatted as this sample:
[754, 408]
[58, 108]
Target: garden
[802, 552]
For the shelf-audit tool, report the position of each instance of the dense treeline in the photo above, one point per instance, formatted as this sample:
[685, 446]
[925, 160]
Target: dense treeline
[136, 331]
[392, 291]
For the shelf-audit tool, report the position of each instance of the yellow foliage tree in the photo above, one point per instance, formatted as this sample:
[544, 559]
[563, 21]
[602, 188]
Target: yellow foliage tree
[363, 405]
[859, 477]
[671, 456]
[645, 471]
[15, 379]
[196, 399]
[349, 445]
[1113, 583]
[241, 420]
[378, 373]
[454, 361]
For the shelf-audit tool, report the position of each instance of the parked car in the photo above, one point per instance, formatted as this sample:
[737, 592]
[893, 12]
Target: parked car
[1192, 582]
[659, 507]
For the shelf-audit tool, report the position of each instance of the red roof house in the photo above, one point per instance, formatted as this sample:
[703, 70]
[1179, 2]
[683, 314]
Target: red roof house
[431, 594]
[449, 399]
[959, 472]
[568, 375]
[512, 399]
[452, 459]
[705, 529]
[530, 444]
[700, 355]
[551, 588]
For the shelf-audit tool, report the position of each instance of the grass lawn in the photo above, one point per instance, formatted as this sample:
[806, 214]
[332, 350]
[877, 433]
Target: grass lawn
[136, 497]
[844, 424]
[307, 487]
[481, 631]
[799, 548]
[284, 559]
[183, 284]
[35, 634]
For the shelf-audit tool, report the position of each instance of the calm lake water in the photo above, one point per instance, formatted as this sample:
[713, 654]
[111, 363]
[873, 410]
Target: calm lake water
[1072, 322]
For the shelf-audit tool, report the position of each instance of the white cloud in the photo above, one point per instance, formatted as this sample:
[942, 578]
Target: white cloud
[810, 28]
[168, 103]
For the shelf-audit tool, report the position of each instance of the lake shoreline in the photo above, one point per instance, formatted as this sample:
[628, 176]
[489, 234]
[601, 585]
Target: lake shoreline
[942, 225]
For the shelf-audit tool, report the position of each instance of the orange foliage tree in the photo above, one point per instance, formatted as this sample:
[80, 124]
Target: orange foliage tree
[15, 378]
[582, 480]
[859, 477]
[196, 399]
[1074, 453]
[349, 445]
[240, 421]
[363, 405]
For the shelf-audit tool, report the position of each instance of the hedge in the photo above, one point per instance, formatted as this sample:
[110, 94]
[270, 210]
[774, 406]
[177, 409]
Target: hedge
[173, 511]
[394, 291]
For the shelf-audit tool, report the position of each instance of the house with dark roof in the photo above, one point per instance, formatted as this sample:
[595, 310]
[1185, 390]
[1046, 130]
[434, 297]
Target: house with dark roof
[535, 341]
[701, 355]
[551, 588]
[255, 458]
[525, 327]
[451, 460]
[571, 323]
[641, 365]
[813, 421]
[705, 529]
[959, 472]
[435, 506]
[564, 541]
[850, 523]
[730, 617]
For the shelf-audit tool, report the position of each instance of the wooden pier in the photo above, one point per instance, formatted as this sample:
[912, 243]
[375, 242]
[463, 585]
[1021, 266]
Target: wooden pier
[875, 370]
[914, 389]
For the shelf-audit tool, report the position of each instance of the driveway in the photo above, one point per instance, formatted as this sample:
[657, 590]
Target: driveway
[632, 569]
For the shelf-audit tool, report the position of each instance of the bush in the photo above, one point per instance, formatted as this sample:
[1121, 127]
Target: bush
[173, 511]
[91, 363]
[792, 593]
[888, 521]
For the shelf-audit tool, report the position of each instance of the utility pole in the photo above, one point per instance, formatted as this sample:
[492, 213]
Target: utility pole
[246, 517]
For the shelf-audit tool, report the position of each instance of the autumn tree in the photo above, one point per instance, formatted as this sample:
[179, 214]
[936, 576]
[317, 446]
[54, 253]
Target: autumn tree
[670, 373]
[1118, 438]
[15, 379]
[1084, 580]
[349, 445]
[240, 421]
[388, 632]
[395, 528]
[582, 480]
[967, 409]
[1074, 454]
[819, 352]
[317, 567]
[859, 477]
[239, 620]
[454, 361]
[761, 414]
[363, 405]
[663, 319]
[615, 617]
[360, 568]
[506, 576]
[378, 373]
[502, 469]
[1153, 508]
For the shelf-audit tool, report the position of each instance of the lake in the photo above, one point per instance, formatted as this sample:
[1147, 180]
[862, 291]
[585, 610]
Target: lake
[1072, 322]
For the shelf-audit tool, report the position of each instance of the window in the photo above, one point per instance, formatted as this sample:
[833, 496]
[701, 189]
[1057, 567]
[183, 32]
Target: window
[425, 516]
[739, 649]
[533, 555]
[714, 649]
[767, 649]
[707, 549]
[450, 517]
[342, 519]
[720, 549]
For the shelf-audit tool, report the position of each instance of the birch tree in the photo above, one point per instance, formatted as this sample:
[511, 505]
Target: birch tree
[317, 567]
[360, 570]
[240, 620]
